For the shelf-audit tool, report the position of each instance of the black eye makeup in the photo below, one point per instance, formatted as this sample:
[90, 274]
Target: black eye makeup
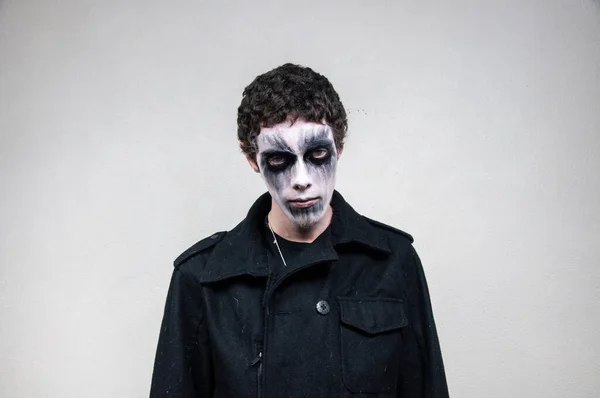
[319, 156]
[319, 153]
[278, 161]
[314, 149]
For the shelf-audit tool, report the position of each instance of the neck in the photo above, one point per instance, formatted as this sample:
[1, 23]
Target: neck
[283, 227]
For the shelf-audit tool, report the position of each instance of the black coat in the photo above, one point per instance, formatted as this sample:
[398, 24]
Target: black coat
[233, 329]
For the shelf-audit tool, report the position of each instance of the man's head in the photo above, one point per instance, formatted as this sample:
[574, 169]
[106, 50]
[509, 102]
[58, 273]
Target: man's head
[291, 127]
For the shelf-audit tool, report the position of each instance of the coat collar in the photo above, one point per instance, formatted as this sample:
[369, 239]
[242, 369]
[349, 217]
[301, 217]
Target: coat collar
[243, 250]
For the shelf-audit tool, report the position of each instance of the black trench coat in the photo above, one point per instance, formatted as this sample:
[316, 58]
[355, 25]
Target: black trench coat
[352, 320]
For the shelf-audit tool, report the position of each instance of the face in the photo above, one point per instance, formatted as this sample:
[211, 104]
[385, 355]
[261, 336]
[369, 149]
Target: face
[298, 163]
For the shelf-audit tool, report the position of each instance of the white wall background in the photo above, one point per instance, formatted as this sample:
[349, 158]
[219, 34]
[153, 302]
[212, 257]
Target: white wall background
[474, 125]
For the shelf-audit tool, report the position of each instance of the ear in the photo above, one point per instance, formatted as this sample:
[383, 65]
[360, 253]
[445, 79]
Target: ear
[339, 149]
[252, 163]
[250, 159]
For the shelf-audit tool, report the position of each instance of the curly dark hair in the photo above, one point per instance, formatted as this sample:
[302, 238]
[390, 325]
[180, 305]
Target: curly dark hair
[289, 92]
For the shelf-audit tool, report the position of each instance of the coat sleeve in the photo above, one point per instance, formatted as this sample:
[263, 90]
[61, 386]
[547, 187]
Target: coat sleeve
[422, 373]
[183, 368]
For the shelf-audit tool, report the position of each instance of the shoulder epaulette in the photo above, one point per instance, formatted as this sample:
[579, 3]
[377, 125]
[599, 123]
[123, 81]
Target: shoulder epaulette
[199, 247]
[390, 228]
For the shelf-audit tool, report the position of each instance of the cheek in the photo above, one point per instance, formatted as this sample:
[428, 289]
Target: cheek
[278, 180]
[323, 174]
[275, 180]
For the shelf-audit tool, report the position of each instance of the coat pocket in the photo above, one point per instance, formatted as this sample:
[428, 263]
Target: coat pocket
[371, 341]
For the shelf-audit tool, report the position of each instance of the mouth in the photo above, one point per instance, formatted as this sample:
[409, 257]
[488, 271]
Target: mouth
[302, 203]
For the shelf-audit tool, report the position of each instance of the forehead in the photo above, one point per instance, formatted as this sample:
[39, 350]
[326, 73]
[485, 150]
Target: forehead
[296, 136]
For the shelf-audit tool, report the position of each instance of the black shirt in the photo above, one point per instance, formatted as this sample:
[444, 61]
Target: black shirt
[291, 250]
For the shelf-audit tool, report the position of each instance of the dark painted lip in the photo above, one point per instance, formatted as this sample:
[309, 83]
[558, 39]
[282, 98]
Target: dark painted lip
[303, 202]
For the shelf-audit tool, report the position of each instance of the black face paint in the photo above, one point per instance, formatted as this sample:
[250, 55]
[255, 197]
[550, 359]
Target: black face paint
[278, 164]
[305, 212]
[318, 148]
[300, 170]
[319, 156]
[279, 158]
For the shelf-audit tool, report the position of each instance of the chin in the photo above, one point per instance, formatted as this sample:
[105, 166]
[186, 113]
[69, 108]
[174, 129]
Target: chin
[305, 224]
[307, 220]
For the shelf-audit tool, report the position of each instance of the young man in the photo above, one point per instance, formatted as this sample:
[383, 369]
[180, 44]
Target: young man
[305, 297]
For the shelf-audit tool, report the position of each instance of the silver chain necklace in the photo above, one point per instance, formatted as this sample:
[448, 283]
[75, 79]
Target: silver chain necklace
[275, 241]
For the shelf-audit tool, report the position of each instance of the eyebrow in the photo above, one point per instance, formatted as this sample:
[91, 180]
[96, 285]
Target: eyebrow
[274, 152]
[278, 144]
[316, 138]
[319, 138]
[312, 143]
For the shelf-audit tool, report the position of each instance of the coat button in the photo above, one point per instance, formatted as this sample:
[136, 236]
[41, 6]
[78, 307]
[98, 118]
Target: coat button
[323, 307]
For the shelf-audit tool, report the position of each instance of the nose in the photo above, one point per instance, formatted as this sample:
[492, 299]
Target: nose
[301, 178]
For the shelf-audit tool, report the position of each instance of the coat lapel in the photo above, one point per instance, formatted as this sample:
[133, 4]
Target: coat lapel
[243, 250]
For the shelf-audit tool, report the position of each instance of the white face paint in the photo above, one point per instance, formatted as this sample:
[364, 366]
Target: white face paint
[298, 164]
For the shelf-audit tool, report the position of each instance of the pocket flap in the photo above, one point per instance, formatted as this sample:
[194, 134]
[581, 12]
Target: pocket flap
[373, 315]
